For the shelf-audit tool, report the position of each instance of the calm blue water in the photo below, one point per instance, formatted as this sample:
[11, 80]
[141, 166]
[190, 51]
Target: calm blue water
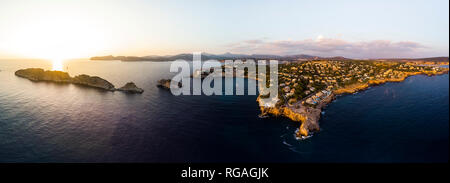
[46, 122]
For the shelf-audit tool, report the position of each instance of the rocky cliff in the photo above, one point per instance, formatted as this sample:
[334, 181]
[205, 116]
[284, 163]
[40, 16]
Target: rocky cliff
[307, 116]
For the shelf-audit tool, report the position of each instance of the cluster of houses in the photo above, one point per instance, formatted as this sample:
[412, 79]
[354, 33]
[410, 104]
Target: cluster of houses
[322, 77]
[329, 75]
[318, 97]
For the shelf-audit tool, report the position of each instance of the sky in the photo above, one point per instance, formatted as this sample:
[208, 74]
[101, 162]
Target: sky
[62, 29]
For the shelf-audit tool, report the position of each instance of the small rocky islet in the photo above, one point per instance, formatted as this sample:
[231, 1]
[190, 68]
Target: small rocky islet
[38, 74]
[166, 83]
[130, 87]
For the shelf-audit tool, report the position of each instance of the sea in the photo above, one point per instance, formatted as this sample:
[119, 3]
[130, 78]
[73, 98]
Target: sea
[50, 122]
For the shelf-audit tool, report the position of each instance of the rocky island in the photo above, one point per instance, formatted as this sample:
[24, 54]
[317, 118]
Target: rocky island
[166, 83]
[38, 74]
[131, 88]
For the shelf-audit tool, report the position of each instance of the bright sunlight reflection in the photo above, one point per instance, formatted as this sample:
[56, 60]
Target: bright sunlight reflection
[57, 65]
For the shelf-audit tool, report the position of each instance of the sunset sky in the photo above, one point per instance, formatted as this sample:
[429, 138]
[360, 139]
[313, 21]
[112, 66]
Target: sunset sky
[56, 29]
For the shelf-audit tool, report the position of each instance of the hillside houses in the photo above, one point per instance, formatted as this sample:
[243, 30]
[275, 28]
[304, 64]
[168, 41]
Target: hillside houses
[305, 81]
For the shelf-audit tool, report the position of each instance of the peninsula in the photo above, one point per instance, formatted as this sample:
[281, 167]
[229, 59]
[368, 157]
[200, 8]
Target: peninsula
[307, 87]
[38, 74]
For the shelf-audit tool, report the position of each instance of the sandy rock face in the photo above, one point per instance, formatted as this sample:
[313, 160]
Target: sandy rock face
[130, 87]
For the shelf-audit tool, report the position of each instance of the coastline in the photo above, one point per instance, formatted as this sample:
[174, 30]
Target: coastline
[309, 116]
[362, 86]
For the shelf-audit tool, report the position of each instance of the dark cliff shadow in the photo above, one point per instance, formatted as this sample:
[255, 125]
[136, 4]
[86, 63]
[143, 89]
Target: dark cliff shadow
[67, 85]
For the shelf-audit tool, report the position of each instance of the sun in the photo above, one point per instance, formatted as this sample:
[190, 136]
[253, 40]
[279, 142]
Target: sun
[57, 36]
[57, 65]
[57, 60]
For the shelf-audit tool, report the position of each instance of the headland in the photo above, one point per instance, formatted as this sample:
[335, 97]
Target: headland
[305, 88]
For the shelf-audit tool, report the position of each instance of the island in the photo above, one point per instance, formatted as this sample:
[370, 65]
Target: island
[38, 74]
[130, 87]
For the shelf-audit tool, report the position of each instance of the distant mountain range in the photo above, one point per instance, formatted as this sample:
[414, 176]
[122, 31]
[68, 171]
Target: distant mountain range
[225, 56]
[230, 56]
[429, 59]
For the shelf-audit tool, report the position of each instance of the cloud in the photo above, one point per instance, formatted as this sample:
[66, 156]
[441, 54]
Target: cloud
[322, 46]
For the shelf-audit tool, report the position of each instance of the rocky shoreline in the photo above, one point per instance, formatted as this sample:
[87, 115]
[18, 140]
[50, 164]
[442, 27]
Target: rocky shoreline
[304, 113]
[38, 74]
[358, 87]
[309, 116]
